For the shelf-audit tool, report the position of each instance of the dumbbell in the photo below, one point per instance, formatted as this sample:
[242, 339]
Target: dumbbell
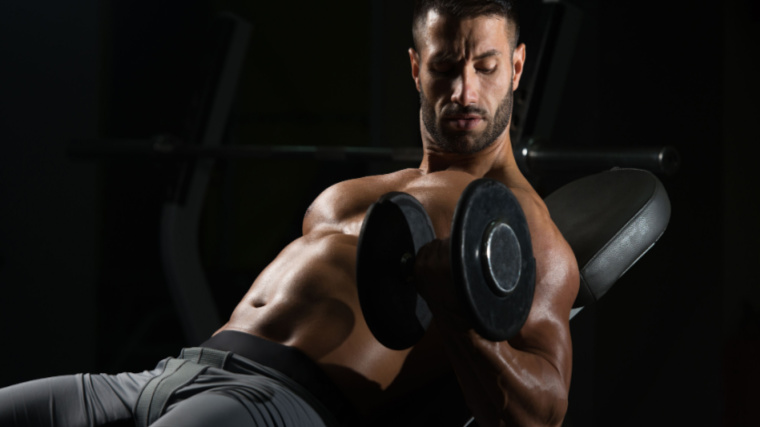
[491, 261]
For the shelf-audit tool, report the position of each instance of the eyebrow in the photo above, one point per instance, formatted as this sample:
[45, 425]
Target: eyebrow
[449, 56]
[487, 54]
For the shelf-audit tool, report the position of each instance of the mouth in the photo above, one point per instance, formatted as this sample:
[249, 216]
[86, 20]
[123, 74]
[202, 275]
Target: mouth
[463, 122]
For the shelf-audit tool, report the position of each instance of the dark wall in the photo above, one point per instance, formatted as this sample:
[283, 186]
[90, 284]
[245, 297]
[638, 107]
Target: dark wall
[641, 356]
[81, 285]
[50, 208]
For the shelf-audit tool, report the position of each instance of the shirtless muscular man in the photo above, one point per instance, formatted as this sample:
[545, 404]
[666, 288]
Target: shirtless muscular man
[297, 351]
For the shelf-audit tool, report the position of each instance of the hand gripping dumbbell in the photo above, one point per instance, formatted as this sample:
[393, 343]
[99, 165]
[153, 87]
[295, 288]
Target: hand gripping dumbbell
[491, 261]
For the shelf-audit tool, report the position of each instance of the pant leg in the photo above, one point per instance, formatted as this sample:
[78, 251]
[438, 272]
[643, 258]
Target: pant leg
[208, 409]
[47, 402]
[81, 400]
[249, 402]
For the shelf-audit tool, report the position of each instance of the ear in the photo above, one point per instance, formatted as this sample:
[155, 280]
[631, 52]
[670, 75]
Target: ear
[518, 62]
[414, 58]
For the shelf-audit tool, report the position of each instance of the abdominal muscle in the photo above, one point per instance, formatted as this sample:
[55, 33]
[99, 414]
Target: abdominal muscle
[307, 299]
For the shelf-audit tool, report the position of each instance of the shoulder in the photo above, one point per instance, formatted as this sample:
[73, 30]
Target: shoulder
[347, 201]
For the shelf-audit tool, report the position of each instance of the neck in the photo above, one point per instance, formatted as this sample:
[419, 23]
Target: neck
[497, 159]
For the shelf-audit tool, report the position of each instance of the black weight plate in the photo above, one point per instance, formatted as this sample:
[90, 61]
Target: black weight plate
[394, 229]
[497, 312]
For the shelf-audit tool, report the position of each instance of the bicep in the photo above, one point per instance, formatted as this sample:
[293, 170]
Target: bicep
[546, 332]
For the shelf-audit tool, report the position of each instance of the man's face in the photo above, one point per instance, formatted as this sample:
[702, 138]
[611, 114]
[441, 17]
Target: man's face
[465, 73]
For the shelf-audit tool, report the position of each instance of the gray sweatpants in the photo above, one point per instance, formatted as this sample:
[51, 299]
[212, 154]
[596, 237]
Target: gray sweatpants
[247, 395]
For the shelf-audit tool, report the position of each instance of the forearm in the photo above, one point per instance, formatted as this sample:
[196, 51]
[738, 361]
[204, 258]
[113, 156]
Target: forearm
[503, 385]
[521, 382]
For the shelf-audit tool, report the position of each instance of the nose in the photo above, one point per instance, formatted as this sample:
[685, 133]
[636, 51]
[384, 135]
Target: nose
[465, 87]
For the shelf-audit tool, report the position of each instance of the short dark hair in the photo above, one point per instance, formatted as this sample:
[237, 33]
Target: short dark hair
[462, 9]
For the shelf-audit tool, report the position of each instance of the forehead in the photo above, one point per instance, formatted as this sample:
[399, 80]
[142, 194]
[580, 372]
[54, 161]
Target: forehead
[445, 35]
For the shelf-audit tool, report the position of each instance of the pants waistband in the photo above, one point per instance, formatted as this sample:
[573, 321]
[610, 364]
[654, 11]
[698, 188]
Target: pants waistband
[286, 360]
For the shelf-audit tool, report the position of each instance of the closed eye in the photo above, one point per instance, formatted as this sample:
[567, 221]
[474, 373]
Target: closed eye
[442, 68]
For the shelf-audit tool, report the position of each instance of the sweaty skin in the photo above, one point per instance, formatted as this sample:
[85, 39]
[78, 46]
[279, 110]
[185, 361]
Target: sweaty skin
[307, 298]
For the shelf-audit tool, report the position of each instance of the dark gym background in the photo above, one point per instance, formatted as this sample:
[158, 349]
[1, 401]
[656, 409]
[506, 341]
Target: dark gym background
[81, 288]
